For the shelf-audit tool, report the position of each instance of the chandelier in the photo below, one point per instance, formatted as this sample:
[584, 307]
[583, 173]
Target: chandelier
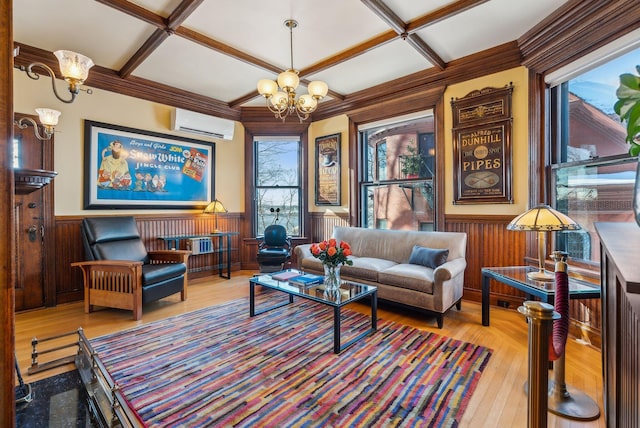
[283, 102]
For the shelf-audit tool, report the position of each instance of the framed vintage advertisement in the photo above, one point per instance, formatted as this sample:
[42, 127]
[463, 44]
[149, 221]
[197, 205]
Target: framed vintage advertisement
[327, 165]
[128, 168]
[482, 147]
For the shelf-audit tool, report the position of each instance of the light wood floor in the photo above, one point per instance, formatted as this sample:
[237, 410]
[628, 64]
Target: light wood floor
[499, 399]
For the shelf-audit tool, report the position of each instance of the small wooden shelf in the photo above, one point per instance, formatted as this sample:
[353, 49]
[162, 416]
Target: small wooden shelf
[30, 180]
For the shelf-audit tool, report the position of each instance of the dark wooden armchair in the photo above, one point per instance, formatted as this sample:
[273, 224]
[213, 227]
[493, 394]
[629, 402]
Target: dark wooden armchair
[121, 273]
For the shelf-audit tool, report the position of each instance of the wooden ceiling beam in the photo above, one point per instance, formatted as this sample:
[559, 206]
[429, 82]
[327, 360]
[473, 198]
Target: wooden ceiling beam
[385, 13]
[399, 26]
[177, 17]
[159, 35]
[109, 80]
[443, 13]
[350, 53]
[135, 11]
[425, 50]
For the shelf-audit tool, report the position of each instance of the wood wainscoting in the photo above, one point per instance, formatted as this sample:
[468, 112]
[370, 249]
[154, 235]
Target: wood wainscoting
[69, 286]
[489, 243]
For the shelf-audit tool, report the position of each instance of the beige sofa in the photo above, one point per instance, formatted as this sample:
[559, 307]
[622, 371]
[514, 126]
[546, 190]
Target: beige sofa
[381, 258]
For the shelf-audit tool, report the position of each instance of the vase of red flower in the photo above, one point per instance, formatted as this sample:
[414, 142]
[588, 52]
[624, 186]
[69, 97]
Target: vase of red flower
[333, 255]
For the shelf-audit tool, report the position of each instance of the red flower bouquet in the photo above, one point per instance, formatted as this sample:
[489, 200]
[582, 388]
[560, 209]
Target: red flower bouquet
[332, 253]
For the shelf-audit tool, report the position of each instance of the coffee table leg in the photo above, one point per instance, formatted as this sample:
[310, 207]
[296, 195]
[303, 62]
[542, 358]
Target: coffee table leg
[485, 300]
[374, 311]
[336, 330]
[252, 303]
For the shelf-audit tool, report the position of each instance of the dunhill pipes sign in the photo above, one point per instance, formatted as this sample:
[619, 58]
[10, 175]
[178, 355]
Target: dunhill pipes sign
[482, 146]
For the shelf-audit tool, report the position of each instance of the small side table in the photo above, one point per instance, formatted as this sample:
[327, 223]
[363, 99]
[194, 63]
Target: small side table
[221, 250]
[516, 277]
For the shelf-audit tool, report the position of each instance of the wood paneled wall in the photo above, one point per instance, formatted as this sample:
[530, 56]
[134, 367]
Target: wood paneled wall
[69, 249]
[489, 243]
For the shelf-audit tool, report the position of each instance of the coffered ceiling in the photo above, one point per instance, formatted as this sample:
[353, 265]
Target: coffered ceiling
[216, 51]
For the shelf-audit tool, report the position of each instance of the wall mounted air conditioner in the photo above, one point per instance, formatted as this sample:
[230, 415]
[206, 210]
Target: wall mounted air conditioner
[202, 124]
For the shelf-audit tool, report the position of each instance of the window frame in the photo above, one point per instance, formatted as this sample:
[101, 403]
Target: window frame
[301, 186]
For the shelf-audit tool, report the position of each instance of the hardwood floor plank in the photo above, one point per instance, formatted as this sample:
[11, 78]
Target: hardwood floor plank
[499, 399]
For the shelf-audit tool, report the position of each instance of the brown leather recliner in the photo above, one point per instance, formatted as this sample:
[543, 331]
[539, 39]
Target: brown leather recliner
[121, 273]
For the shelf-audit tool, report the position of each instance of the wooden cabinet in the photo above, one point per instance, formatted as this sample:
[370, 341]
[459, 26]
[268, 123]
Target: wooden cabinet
[620, 278]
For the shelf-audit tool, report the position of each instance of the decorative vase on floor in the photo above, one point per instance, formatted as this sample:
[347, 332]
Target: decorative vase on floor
[332, 277]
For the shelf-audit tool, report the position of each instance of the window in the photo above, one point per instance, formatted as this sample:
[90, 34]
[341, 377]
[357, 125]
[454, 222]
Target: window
[277, 183]
[396, 185]
[592, 173]
[16, 153]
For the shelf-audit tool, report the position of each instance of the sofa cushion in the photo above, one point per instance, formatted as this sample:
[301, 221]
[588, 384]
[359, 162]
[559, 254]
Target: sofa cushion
[429, 257]
[410, 276]
[366, 268]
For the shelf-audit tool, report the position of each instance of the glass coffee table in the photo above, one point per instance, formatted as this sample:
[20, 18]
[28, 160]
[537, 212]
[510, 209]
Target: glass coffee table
[349, 292]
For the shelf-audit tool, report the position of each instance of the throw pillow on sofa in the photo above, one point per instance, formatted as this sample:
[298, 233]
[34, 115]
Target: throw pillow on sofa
[429, 257]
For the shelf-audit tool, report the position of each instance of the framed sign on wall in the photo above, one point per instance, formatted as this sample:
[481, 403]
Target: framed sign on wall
[482, 146]
[129, 168]
[327, 165]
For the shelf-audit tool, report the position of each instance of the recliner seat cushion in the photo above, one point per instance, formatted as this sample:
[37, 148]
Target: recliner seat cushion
[155, 273]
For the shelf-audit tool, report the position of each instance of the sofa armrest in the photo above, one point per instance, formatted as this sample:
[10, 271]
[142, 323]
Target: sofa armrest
[448, 270]
[302, 252]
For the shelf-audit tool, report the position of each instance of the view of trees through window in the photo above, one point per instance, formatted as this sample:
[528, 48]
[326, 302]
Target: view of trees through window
[278, 184]
[594, 175]
[396, 187]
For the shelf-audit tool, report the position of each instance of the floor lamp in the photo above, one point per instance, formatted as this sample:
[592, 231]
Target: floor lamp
[214, 208]
[542, 219]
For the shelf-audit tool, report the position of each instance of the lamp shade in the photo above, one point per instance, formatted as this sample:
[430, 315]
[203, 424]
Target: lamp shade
[288, 80]
[48, 117]
[318, 89]
[215, 207]
[267, 87]
[307, 103]
[73, 65]
[542, 218]
[279, 100]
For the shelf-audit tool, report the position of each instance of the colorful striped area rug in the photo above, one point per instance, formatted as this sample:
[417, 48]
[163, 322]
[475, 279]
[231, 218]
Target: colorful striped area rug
[219, 367]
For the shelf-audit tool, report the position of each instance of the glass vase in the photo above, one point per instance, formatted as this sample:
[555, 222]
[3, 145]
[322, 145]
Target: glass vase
[332, 277]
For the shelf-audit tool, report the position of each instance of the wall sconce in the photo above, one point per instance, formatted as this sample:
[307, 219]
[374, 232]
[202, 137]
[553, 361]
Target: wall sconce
[48, 118]
[74, 67]
[214, 208]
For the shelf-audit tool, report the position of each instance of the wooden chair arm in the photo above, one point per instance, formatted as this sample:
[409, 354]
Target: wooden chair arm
[107, 263]
[172, 256]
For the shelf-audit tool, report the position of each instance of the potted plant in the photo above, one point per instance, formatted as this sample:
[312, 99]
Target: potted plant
[628, 108]
[413, 163]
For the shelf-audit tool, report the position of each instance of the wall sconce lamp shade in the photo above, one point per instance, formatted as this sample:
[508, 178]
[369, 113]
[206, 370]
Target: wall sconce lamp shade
[214, 208]
[74, 68]
[48, 118]
[542, 219]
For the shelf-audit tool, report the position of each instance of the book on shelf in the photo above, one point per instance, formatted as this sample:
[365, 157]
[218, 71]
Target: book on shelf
[286, 275]
[307, 279]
